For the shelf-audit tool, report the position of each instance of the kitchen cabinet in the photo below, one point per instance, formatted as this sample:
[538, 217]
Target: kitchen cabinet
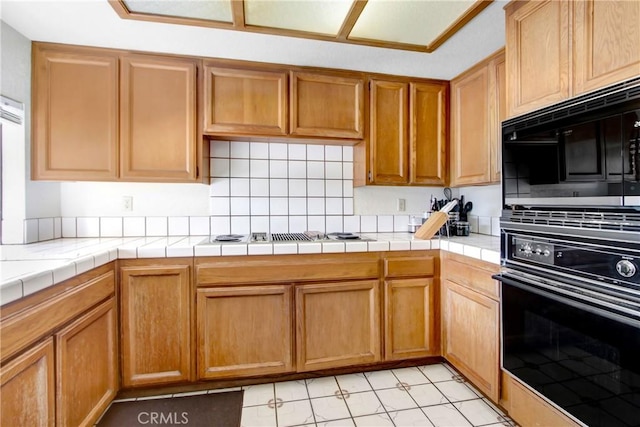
[28, 389]
[87, 366]
[411, 312]
[244, 330]
[158, 136]
[477, 110]
[75, 114]
[336, 315]
[337, 324]
[389, 143]
[559, 49]
[428, 133]
[245, 101]
[538, 54]
[470, 321]
[527, 408]
[326, 105]
[59, 352]
[107, 115]
[408, 136]
[155, 321]
[605, 43]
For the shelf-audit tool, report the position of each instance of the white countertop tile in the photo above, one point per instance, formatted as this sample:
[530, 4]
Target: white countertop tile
[25, 269]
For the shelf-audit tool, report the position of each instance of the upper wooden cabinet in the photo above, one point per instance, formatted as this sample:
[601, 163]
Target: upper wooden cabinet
[551, 57]
[477, 110]
[158, 118]
[428, 133]
[75, 114]
[408, 137]
[324, 105]
[245, 101]
[606, 38]
[105, 115]
[388, 139]
[538, 48]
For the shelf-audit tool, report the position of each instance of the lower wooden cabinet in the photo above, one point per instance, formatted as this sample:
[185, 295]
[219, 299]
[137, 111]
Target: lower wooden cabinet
[87, 366]
[337, 324]
[245, 330]
[27, 388]
[470, 333]
[527, 409]
[409, 329]
[155, 323]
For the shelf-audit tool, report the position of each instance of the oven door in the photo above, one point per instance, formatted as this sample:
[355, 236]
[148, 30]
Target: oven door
[580, 353]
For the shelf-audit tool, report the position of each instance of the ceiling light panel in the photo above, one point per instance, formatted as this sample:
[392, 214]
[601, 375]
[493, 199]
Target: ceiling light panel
[210, 10]
[314, 16]
[417, 22]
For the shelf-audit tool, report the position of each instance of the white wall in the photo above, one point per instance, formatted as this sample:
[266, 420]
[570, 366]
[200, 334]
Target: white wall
[487, 199]
[42, 198]
[93, 199]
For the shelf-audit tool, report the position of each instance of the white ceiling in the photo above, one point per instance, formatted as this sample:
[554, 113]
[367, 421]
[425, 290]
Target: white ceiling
[95, 23]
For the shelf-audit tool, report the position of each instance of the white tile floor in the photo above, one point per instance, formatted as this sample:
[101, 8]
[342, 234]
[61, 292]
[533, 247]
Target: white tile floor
[433, 395]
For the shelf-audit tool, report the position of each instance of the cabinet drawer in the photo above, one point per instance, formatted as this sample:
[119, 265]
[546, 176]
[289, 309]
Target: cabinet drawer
[27, 326]
[410, 266]
[285, 268]
[479, 279]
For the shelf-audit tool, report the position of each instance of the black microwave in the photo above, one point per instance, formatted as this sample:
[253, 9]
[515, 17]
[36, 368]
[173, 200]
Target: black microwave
[584, 152]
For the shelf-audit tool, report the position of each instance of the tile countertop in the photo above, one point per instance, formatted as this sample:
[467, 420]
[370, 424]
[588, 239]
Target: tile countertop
[26, 269]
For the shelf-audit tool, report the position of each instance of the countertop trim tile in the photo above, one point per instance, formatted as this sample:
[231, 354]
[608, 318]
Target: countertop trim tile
[67, 257]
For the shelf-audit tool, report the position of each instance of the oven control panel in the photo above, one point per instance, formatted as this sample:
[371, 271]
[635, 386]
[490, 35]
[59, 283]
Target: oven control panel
[532, 250]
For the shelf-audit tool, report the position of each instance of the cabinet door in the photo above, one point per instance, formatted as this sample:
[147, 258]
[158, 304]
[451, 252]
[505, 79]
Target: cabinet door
[87, 367]
[250, 102]
[155, 325]
[470, 333]
[327, 106]
[606, 43]
[75, 114]
[389, 143]
[410, 316]
[244, 331]
[158, 138]
[471, 128]
[428, 133]
[499, 111]
[27, 388]
[538, 56]
[337, 324]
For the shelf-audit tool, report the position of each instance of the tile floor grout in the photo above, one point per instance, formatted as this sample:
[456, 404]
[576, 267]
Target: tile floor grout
[375, 386]
[447, 400]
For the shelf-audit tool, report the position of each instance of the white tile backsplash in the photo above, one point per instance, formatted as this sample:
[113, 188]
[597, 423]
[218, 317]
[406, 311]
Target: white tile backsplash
[239, 168]
[259, 150]
[385, 223]
[315, 152]
[297, 224]
[278, 187]
[220, 225]
[368, 224]
[259, 206]
[279, 224]
[315, 170]
[297, 152]
[333, 153]
[240, 224]
[333, 170]
[239, 150]
[199, 226]
[111, 227]
[90, 227]
[219, 149]
[279, 206]
[315, 188]
[278, 150]
[156, 226]
[278, 168]
[240, 187]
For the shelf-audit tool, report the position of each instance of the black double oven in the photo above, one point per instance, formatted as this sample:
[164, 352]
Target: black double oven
[570, 253]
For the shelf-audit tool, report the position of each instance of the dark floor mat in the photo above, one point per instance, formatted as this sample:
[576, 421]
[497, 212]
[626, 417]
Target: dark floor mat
[203, 410]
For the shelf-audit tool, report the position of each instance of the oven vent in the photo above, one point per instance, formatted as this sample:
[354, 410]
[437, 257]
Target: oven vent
[608, 97]
[629, 222]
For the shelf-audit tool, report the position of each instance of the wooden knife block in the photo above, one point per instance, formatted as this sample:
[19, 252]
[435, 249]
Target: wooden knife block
[432, 225]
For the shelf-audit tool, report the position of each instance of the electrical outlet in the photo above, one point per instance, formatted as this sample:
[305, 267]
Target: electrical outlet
[127, 203]
[402, 205]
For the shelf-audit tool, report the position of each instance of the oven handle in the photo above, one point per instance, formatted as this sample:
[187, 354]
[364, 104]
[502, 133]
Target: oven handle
[582, 305]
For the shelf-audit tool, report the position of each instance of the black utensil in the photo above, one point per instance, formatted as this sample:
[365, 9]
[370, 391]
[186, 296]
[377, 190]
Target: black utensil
[467, 207]
[447, 193]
